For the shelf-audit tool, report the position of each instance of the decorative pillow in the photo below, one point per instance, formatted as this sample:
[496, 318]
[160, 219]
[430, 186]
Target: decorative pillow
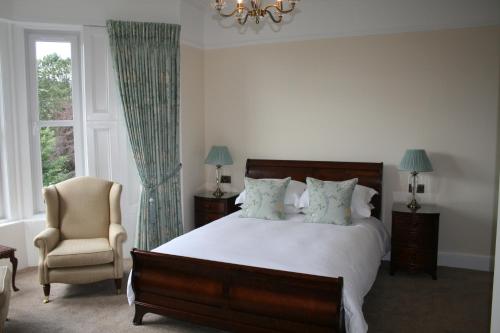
[330, 202]
[360, 203]
[265, 198]
[293, 193]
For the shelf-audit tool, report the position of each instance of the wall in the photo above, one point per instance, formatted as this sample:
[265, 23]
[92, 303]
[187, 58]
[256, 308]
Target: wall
[495, 308]
[192, 129]
[369, 99]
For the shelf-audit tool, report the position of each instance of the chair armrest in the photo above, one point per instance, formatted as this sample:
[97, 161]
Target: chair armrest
[47, 240]
[117, 235]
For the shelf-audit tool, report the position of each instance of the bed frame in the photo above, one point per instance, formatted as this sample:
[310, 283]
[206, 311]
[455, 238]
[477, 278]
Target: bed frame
[243, 298]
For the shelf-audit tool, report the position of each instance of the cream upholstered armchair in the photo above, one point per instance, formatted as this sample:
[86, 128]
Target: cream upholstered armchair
[5, 277]
[83, 239]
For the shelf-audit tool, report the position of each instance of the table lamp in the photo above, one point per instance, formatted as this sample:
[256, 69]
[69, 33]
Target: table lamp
[415, 161]
[218, 156]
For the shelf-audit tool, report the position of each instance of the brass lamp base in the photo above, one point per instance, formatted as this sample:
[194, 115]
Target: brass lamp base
[218, 192]
[413, 204]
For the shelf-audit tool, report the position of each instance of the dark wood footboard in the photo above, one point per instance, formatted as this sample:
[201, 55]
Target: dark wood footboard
[235, 297]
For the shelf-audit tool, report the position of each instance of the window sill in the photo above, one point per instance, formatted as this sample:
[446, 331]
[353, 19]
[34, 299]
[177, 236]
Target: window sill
[34, 218]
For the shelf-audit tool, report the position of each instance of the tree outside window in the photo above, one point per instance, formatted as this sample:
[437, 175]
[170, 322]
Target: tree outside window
[55, 104]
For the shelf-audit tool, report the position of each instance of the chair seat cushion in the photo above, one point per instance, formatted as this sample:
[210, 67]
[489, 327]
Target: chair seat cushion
[80, 252]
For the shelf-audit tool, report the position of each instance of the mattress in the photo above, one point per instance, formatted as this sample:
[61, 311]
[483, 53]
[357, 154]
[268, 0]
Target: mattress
[353, 252]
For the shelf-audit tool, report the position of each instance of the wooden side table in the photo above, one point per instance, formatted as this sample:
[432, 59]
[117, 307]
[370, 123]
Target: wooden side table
[209, 208]
[8, 252]
[415, 235]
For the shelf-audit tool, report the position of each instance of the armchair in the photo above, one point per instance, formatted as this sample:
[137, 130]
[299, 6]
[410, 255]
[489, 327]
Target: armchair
[83, 239]
[5, 277]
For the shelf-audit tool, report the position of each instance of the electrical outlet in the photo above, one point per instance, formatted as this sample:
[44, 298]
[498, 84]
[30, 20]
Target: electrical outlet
[420, 188]
[225, 179]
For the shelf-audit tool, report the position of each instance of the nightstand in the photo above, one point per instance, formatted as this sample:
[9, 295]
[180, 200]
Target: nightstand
[208, 208]
[415, 237]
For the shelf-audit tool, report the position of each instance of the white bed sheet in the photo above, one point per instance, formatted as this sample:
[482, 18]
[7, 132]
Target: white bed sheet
[353, 252]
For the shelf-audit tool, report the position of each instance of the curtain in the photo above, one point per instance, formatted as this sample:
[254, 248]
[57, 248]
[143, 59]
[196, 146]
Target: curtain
[146, 61]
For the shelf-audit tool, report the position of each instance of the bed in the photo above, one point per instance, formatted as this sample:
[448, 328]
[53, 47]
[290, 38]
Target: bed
[250, 275]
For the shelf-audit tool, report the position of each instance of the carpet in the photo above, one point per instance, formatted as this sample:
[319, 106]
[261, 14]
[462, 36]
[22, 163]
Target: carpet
[459, 301]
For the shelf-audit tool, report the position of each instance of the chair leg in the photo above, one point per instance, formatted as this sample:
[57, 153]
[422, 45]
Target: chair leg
[118, 285]
[46, 292]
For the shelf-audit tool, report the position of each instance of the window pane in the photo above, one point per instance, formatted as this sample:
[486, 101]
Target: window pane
[54, 80]
[58, 154]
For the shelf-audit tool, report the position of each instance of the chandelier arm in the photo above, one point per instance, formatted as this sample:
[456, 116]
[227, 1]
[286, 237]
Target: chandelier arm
[243, 21]
[282, 11]
[232, 13]
[273, 18]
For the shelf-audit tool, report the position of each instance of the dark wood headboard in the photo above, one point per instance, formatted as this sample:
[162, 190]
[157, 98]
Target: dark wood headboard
[368, 174]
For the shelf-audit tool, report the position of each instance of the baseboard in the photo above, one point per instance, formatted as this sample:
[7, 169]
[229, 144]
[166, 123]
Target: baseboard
[461, 260]
[465, 260]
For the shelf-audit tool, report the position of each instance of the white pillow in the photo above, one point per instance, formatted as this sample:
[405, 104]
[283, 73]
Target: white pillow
[292, 195]
[360, 203]
[291, 209]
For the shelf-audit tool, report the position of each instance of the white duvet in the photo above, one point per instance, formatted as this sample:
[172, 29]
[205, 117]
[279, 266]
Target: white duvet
[353, 252]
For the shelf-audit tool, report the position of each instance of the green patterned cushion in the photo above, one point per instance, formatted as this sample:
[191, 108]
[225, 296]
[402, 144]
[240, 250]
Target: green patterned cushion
[265, 198]
[330, 202]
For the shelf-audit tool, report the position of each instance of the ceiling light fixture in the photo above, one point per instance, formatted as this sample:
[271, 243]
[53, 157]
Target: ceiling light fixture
[255, 9]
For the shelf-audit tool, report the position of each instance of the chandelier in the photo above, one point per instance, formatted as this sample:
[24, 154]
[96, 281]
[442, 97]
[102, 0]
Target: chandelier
[255, 9]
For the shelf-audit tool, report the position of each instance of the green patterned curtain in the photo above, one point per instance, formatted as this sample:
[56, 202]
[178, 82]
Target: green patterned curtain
[146, 60]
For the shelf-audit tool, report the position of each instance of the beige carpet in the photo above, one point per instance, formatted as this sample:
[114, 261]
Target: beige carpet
[459, 301]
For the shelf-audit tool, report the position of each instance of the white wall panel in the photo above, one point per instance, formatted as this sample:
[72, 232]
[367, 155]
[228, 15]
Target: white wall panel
[102, 138]
[97, 75]
[108, 152]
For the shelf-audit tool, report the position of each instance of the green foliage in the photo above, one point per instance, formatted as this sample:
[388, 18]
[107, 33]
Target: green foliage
[54, 88]
[54, 97]
[55, 168]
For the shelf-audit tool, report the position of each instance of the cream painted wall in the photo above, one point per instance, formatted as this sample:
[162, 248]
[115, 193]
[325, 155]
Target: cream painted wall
[495, 307]
[369, 99]
[192, 129]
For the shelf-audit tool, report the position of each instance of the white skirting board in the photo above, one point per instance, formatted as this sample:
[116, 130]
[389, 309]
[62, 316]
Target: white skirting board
[462, 260]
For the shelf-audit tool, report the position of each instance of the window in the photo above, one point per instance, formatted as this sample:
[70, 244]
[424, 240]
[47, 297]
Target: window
[2, 196]
[3, 160]
[54, 100]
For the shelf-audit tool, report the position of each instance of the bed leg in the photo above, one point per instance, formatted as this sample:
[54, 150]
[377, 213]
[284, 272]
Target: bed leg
[139, 313]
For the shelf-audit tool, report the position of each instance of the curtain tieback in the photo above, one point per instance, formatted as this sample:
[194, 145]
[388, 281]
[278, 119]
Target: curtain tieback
[151, 187]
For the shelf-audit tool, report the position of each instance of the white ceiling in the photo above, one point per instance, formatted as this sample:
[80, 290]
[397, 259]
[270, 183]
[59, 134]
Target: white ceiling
[334, 18]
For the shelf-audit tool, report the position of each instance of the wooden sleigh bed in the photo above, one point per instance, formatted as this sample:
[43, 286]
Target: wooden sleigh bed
[250, 299]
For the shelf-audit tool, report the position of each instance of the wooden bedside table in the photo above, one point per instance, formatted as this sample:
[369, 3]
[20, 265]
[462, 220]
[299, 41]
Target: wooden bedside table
[415, 237]
[8, 252]
[208, 208]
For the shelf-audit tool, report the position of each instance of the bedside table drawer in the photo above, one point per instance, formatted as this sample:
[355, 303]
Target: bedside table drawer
[210, 206]
[412, 259]
[414, 238]
[205, 218]
[410, 223]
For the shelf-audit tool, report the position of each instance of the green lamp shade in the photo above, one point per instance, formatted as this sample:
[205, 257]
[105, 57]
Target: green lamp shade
[415, 160]
[219, 155]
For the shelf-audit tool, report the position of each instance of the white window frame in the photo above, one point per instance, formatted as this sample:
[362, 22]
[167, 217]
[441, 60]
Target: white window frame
[36, 124]
[3, 202]
[3, 159]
